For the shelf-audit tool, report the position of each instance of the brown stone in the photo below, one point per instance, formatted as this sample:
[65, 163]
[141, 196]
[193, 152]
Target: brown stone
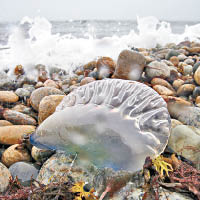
[20, 108]
[197, 100]
[13, 134]
[130, 65]
[197, 76]
[8, 97]
[4, 177]
[176, 100]
[19, 70]
[105, 67]
[185, 90]
[15, 153]
[48, 105]
[38, 94]
[160, 81]
[50, 83]
[90, 66]
[177, 83]
[87, 80]
[18, 118]
[39, 84]
[5, 123]
[162, 90]
[174, 60]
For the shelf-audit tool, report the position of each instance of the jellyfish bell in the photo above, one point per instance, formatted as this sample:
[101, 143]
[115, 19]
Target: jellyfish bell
[111, 123]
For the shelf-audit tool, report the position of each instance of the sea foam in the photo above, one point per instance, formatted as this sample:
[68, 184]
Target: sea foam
[40, 46]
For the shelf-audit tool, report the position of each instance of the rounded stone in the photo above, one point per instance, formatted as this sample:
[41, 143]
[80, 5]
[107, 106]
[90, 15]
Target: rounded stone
[48, 105]
[174, 123]
[174, 60]
[39, 85]
[196, 92]
[21, 92]
[59, 166]
[185, 90]
[185, 141]
[162, 90]
[5, 123]
[170, 54]
[195, 67]
[4, 177]
[187, 70]
[160, 81]
[189, 61]
[197, 76]
[157, 69]
[40, 155]
[182, 57]
[177, 83]
[130, 65]
[38, 94]
[51, 83]
[24, 171]
[8, 97]
[197, 100]
[87, 80]
[18, 118]
[15, 153]
[90, 66]
[13, 134]
[105, 67]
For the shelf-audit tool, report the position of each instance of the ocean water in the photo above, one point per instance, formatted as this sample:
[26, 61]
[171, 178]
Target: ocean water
[68, 44]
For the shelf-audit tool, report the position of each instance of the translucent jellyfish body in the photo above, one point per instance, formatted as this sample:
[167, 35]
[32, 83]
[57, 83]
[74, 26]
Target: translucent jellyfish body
[111, 123]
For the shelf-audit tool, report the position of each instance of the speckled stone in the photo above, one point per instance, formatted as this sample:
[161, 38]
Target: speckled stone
[185, 90]
[159, 81]
[38, 94]
[13, 134]
[4, 177]
[59, 166]
[48, 105]
[15, 153]
[162, 90]
[8, 97]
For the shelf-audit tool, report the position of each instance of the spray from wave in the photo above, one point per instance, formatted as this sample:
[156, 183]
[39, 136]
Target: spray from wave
[39, 45]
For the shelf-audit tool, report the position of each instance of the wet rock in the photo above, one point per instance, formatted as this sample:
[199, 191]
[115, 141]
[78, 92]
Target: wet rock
[159, 81]
[175, 122]
[187, 70]
[177, 83]
[195, 67]
[185, 141]
[59, 166]
[185, 90]
[39, 84]
[21, 92]
[171, 53]
[162, 90]
[105, 67]
[6, 82]
[13, 134]
[15, 153]
[4, 177]
[90, 66]
[87, 80]
[40, 93]
[196, 92]
[5, 123]
[18, 118]
[51, 83]
[174, 60]
[130, 65]
[8, 97]
[197, 76]
[48, 105]
[25, 172]
[157, 69]
[40, 155]
[189, 61]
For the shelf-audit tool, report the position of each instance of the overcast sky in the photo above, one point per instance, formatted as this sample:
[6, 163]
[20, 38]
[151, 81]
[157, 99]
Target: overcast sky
[100, 9]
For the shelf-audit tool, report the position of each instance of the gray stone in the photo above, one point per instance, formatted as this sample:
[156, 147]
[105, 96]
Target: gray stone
[5, 81]
[21, 92]
[171, 53]
[195, 67]
[187, 70]
[24, 172]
